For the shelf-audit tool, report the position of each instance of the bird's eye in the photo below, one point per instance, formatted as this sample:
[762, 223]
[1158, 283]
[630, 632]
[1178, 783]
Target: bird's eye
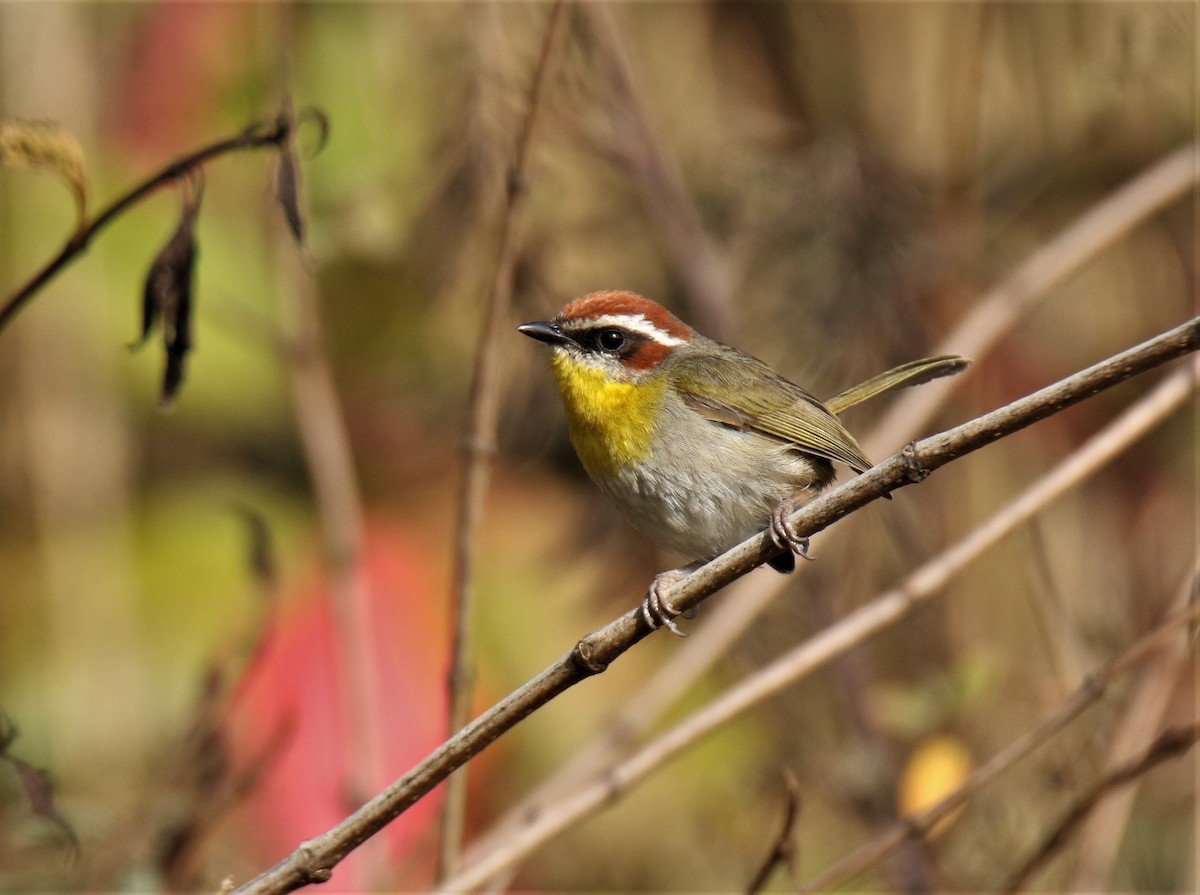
[611, 339]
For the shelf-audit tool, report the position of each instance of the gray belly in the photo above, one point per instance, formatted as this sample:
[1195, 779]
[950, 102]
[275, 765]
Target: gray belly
[701, 495]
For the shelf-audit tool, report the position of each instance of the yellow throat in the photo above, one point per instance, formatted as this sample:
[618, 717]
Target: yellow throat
[611, 422]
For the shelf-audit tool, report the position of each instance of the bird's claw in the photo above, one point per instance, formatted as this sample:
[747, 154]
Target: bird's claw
[783, 533]
[657, 610]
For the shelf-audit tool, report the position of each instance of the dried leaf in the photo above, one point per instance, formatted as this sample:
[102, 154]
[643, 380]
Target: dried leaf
[287, 174]
[937, 767]
[260, 550]
[167, 295]
[287, 190]
[45, 146]
[177, 330]
[150, 303]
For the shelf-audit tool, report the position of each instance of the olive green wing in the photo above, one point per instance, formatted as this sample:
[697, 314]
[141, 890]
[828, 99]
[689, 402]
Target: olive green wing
[742, 392]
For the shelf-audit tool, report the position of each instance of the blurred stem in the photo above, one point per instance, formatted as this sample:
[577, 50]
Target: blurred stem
[698, 263]
[314, 861]
[783, 849]
[834, 641]
[480, 439]
[331, 466]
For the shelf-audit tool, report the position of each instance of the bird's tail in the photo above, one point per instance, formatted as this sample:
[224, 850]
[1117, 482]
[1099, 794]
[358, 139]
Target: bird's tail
[915, 372]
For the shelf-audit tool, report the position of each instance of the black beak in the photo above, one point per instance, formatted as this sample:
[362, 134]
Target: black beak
[545, 331]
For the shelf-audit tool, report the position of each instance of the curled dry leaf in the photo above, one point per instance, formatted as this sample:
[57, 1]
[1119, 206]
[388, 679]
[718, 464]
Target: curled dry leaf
[287, 189]
[321, 120]
[46, 146]
[287, 175]
[167, 295]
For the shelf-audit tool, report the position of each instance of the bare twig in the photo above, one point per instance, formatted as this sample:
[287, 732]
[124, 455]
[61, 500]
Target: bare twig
[315, 859]
[480, 440]
[918, 587]
[330, 464]
[256, 136]
[1090, 692]
[1170, 744]
[783, 850]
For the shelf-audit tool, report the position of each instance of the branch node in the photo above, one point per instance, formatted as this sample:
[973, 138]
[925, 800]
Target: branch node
[313, 870]
[912, 463]
[582, 656]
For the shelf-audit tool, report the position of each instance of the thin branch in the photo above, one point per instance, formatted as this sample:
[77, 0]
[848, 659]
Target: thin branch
[315, 859]
[783, 849]
[997, 310]
[872, 618]
[1090, 692]
[1170, 744]
[256, 136]
[330, 461]
[480, 438]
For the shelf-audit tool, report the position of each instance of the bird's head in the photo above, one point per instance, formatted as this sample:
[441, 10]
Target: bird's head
[608, 352]
[620, 335]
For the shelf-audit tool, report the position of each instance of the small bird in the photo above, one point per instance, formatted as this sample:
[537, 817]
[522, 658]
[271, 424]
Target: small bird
[698, 444]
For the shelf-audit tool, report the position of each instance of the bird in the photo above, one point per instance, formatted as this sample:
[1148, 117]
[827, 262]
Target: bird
[698, 444]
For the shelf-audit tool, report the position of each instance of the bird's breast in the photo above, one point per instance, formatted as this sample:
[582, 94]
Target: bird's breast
[612, 422]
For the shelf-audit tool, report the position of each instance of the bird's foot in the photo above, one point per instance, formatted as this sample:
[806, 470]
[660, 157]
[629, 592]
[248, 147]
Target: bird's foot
[657, 610]
[783, 534]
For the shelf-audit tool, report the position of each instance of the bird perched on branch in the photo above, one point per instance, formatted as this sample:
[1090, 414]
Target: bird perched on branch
[698, 444]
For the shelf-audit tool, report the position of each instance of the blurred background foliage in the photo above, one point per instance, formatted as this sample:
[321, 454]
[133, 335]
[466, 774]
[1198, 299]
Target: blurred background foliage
[829, 186]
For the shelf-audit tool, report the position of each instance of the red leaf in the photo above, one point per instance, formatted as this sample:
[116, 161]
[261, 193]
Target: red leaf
[297, 675]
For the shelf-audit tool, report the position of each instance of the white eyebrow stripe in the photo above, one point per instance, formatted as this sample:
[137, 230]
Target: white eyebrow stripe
[634, 323]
